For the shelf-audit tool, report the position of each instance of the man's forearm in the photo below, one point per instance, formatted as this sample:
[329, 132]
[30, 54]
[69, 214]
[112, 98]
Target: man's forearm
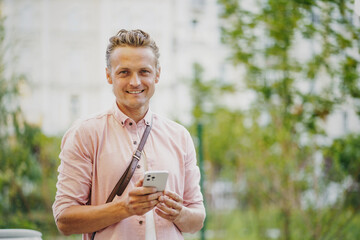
[190, 219]
[87, 219]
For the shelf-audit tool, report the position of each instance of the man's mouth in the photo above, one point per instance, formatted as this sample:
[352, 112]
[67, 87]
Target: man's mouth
[135, 92]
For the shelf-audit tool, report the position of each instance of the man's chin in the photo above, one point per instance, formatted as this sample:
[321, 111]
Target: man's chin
[135, 106]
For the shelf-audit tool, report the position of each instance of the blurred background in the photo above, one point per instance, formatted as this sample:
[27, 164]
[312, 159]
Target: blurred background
[269, 90]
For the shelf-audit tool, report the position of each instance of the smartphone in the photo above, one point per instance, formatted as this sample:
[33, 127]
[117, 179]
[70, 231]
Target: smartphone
[156, 179]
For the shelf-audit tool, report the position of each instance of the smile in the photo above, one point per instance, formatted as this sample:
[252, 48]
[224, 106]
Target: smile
[135, 92]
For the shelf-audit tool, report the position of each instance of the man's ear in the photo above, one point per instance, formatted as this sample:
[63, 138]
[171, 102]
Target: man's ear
[108, 75]
[157, 78]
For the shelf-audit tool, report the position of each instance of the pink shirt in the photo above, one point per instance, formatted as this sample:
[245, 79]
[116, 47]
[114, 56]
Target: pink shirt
[95, 152]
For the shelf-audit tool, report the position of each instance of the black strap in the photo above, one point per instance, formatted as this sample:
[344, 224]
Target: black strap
[129, 172]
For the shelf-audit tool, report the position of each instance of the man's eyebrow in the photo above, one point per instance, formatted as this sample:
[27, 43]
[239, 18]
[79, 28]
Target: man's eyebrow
[122, 68]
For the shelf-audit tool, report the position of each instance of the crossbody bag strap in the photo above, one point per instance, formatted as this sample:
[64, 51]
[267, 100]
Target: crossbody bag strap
[129, 172]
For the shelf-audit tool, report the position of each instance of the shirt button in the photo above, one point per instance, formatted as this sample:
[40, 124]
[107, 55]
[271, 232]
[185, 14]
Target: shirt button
[140, 222]
[130, 124]
[135, 142]
[138, 166]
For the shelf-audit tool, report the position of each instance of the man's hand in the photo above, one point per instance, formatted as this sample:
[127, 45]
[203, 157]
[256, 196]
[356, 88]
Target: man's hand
[170, 206]
[142, 199]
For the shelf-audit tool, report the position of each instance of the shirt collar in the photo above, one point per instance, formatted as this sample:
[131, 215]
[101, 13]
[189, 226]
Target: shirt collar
[122, 118]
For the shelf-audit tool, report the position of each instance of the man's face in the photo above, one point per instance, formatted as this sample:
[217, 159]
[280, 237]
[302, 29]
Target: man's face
[133, 75]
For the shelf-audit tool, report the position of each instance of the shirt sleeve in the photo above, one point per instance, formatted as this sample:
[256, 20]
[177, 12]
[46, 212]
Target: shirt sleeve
[192, 193]
[75, 171]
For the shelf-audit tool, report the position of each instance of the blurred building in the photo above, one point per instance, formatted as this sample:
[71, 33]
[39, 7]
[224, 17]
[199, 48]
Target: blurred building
[59, 45]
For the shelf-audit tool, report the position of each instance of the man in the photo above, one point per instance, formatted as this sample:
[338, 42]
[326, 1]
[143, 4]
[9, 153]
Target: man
[95, 152]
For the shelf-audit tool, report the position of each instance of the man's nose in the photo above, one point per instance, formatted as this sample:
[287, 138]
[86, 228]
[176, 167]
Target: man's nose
[135, 80]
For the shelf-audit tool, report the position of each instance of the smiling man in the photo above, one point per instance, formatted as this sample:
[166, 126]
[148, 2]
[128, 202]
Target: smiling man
[133, 72]
[95, 152]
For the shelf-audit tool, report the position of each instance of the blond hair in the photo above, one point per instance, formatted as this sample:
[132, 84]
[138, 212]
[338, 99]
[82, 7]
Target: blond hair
[132, 38]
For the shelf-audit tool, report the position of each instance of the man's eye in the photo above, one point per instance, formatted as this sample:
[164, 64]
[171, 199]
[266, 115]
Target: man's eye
[144, 72]
[123, 73]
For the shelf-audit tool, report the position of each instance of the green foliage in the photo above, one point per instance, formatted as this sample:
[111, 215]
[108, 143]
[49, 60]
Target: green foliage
[28, 159]
[266, 42]
[249, 225]
[28, 162]
[343, 161]
[299, 58]
[343, 158]
[204, 94]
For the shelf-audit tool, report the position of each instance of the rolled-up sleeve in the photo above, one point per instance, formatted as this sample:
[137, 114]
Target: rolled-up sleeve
[75, 171]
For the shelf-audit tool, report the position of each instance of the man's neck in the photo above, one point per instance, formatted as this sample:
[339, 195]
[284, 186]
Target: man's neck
[135, 114]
